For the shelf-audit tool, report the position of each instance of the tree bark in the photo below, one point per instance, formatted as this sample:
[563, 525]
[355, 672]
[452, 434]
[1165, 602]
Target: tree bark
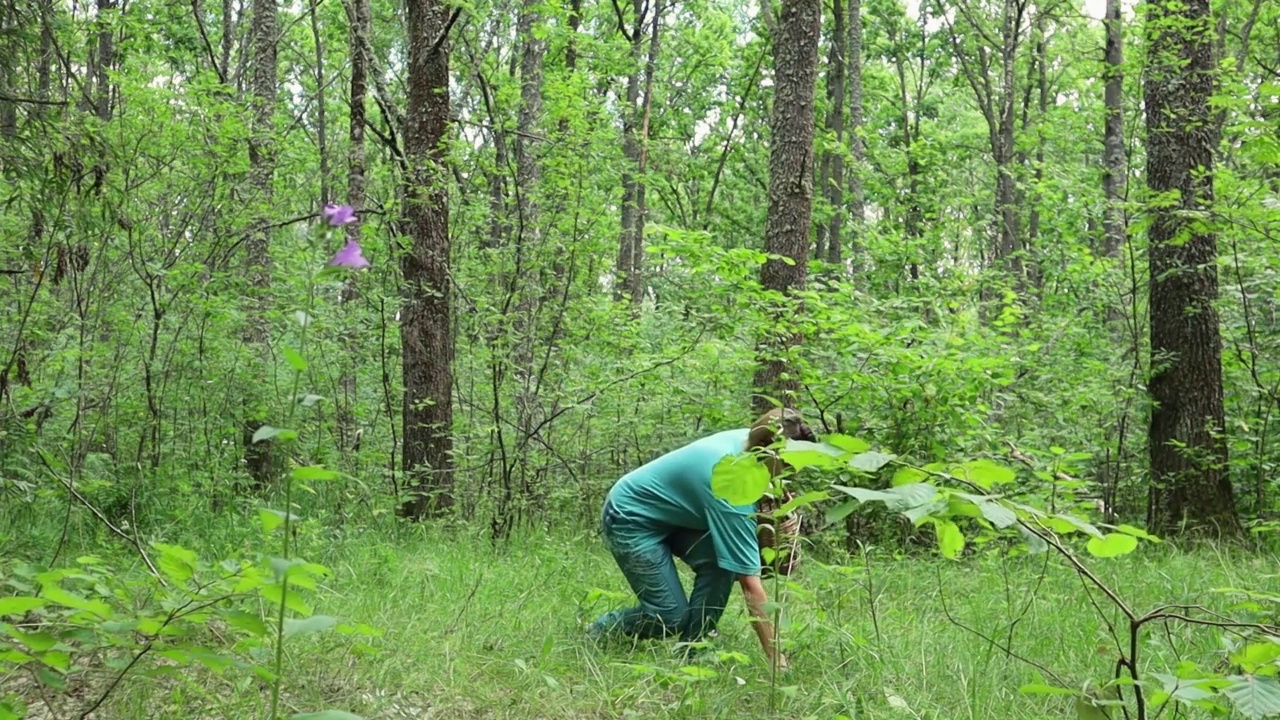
[1113, 153]
[790, 188]
[832, 175]
[322, 135]
[425, 329]
[106, 59]
[1190, 483]
[635, 147]
[856, 195]
[263, 89]
[358, 19]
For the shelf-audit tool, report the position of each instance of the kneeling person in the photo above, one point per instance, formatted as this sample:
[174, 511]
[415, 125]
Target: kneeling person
[666, 509]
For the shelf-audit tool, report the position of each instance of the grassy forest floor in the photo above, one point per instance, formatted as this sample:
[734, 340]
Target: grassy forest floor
[473, 631]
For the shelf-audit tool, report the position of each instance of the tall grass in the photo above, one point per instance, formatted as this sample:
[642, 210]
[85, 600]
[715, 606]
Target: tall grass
[477, 631]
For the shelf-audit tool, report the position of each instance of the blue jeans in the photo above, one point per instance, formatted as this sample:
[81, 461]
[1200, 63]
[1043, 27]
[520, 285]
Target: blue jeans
[664, 611]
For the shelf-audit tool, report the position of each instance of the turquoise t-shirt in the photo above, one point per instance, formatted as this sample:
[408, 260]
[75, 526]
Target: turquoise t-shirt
[673, 492]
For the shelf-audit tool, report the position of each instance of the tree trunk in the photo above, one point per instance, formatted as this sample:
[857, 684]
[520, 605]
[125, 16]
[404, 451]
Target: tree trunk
[1002, 145]
[853, 73]
[635, 147]
[833, 159]
[322, 135]
[106, 58]
[425, 329]
[263, 90]
[1190, 484]
[1113, 153]
[795, 53]
[358, 18]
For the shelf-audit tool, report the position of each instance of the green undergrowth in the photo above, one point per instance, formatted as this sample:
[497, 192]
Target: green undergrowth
[475, 631]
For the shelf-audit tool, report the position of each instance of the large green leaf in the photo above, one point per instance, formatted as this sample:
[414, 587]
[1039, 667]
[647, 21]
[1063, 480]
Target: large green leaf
[870, 461]
[1254, 697]
[739, 479]
[303, 626]
[950, 539]
[1112, 545]
[19, 605]
[847, 443]
[984, 473]
[801, 454]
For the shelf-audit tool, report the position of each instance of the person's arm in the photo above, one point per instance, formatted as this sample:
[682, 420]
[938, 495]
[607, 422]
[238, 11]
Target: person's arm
[753, 593]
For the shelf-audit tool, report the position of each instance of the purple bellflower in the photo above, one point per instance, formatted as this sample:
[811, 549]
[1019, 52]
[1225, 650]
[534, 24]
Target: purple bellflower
[338, 215]
[350, 256]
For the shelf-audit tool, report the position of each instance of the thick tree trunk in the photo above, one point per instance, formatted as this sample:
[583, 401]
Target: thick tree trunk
[263, 89]
[790, 213]
[425, 329]
[853, 72]
[1190, 484]
[1113, 153]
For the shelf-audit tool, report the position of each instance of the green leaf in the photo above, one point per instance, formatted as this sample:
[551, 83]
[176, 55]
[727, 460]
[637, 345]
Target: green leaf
[1137, 532]
[996, 513]
[326, 715]
[697, 671]
[1064, 524]
[1035, 543]
[19, 605]
[294, 358]
[1112, 545]
[176, 562]
[303, 626]
[739, 479]
[272, 519]
[1256, 654]
[267, 432]
[909, 476]
[251, 624]
[801, 454]
[49, 678]
[1087, 710]
[984, 473]
[847, 443]
[309, 400]
[950, 539]
[302, 317]
[866, 494]
[1042, 689]
[57, 595]
[841, 511]
[312, 473]
[870, 461]
[1255, 697]
[805, 500]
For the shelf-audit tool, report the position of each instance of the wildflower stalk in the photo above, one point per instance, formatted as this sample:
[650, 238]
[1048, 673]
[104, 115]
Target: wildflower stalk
[349, 257]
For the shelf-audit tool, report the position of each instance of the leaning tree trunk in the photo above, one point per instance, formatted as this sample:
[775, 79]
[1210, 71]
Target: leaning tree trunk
[263, 89]
[1190, 484]
[425, 330]
[790, 213]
